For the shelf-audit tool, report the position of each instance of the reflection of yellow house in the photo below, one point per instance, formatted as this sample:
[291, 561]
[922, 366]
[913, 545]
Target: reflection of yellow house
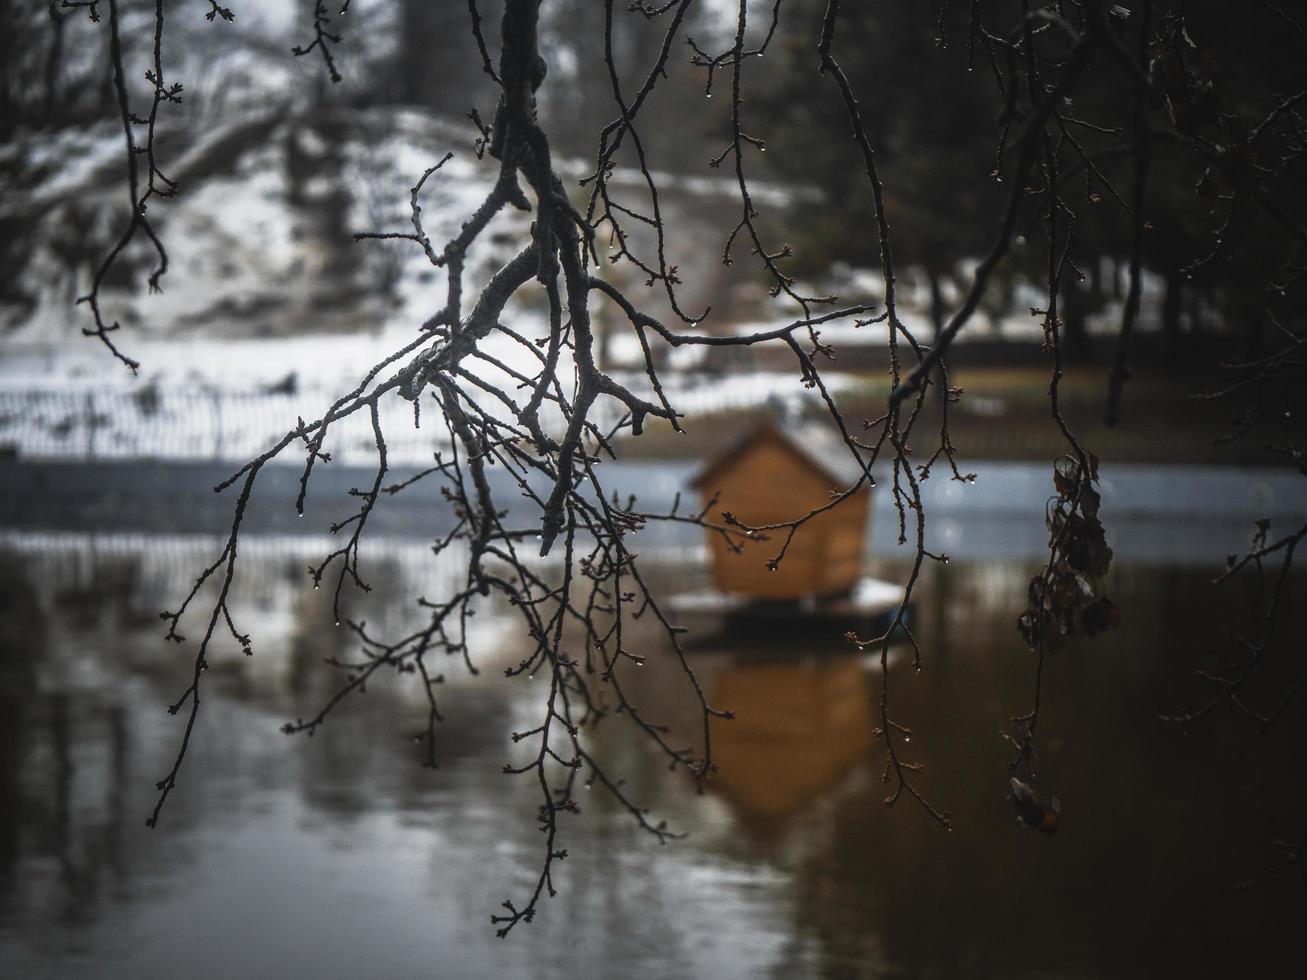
[798, 728]
[780, 472]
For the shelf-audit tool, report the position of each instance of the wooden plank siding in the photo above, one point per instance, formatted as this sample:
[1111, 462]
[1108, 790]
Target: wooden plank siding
[766, 481]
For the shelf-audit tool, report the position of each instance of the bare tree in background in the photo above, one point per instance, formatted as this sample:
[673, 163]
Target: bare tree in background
[572, 574]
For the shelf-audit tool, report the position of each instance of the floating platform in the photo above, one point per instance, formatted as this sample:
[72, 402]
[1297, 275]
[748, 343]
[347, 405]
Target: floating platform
[868, 608]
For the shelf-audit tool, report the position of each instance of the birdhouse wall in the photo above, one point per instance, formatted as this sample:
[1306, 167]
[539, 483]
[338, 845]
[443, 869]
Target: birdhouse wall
[768, 483]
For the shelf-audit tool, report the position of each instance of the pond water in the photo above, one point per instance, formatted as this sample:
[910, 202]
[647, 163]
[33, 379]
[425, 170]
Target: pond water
[341, 856]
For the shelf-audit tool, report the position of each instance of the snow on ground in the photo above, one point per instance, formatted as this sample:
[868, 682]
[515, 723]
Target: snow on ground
[211, 399]
[270, 312]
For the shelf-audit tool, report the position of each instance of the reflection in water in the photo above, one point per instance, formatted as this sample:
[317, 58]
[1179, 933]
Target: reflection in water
[798, 728]
[342, 856]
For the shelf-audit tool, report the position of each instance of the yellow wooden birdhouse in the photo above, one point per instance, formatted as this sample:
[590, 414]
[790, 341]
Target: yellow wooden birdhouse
[780, 471]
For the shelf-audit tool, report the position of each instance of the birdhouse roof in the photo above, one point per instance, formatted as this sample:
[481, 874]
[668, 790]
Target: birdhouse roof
[815, 445]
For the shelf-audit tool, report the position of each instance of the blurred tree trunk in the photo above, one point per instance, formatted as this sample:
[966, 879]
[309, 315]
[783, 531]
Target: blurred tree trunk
[1255, 335]
[54, 62]
[1172, 307]
[936, 304]
[938, 317]
[8, 50]
[1075, 330]
[436, 66]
